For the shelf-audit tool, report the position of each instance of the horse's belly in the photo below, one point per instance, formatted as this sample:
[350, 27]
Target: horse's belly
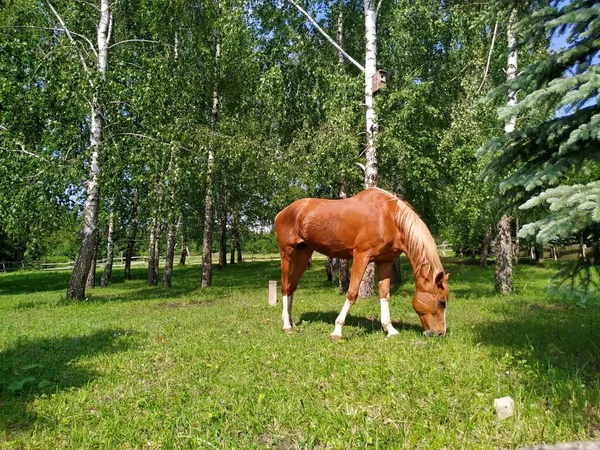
[329, 242]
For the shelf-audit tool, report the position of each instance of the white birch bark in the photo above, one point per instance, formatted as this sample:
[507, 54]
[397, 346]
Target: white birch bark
[89, 231]
[172, 226]
[157, 237]
[223, 223]
[371, 167]
[236, 234]
[110, 245]
[209, 199]
[511, 69]
[503, 269]
[184, 249]
[172, 229]
[152, 256]
[340, 31]
[132, 234]
[90, 281]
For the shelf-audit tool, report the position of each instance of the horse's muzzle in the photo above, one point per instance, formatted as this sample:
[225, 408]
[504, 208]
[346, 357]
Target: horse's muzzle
[430, 333]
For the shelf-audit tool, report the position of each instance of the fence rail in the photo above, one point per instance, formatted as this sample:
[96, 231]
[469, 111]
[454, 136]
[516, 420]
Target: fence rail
[11, 266]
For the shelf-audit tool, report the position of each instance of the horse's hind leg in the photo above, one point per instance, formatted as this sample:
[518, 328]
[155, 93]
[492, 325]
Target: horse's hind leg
[285, 288]
[300, 259]
[384, 271]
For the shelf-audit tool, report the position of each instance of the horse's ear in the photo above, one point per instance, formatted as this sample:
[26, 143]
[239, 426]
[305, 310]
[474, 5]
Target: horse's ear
[439, 279]
[447, 276]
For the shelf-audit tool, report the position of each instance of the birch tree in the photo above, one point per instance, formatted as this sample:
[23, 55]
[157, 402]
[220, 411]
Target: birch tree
[503, 270]
[210, 168]
[110, 246]
[89, 232]
[367, 285]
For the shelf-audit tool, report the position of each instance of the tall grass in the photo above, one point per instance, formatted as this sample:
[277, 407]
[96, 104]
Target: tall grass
[140, 367]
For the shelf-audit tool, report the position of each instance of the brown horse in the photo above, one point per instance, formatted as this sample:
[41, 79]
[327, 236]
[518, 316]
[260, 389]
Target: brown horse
[373, 226]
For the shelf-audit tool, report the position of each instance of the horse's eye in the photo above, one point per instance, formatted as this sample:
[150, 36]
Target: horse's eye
[442, 304]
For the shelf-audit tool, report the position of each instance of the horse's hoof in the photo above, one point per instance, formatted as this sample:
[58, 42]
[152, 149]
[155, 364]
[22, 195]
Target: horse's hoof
[392, 334]
[288, 330]
[334, 338]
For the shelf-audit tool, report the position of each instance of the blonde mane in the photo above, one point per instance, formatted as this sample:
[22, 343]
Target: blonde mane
[420, 245]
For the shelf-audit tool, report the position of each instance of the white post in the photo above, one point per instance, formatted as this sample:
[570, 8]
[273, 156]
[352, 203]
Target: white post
[273, 293]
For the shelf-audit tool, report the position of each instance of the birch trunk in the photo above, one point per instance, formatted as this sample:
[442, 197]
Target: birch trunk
[503, 272]
[208, 202]
[503, 278]
[170, 253]
[235, 236]
[371, 167]
[238, 245]
[171, 183]
[90, 281]
[157, 238]
[129, 254]
[184, 249]
[223, 246]
[340, 31]
[132, 237]
[539, 252]
[110, 245]
[155, 230]
[152, 272]
[89, 231]
[208, 224]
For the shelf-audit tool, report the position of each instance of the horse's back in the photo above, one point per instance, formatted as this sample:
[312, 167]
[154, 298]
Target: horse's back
[334, 227]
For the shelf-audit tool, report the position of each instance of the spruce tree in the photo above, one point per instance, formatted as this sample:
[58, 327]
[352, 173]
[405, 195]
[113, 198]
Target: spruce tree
[549, 164]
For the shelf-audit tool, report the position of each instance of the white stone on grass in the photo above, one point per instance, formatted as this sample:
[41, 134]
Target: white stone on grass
[505, 407]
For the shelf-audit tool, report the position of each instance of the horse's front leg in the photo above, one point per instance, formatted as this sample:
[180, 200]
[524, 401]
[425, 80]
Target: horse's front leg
[358, 270]
[384, 271]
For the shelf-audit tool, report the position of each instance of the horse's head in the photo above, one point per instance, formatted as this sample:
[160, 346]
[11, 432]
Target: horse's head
[429, 302]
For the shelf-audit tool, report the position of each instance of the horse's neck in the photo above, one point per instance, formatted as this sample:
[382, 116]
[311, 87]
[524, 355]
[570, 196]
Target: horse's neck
[420, 267]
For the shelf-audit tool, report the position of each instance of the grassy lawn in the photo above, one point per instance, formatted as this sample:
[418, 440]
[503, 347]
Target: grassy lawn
[139, 367]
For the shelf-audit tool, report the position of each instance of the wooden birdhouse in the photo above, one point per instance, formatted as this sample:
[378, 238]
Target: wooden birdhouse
[378, 81]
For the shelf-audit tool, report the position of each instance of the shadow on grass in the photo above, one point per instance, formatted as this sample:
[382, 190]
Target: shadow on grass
[368, 324]
[185, 278]
[251, 276]
[30, 282]
[36, 367]
[557, 338]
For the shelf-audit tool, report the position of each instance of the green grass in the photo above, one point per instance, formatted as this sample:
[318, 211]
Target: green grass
[140, 367]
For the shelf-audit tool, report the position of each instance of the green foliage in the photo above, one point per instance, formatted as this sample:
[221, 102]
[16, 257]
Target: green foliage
[557, 143]
[572, 209]
[291, 120]
[259, 243]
